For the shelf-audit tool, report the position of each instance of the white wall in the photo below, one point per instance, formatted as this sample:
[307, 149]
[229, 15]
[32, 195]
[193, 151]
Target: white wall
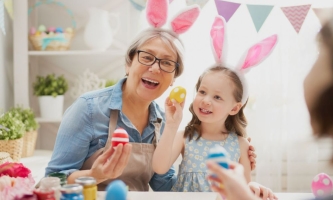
[6, 66]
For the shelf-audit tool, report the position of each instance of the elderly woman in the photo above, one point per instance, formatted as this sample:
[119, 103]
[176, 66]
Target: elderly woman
[318, 90]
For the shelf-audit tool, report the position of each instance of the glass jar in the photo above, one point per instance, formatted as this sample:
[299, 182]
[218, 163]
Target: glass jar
[51, 183]
[61, 176]
[71, 192]
[44, 194]
[89, 187]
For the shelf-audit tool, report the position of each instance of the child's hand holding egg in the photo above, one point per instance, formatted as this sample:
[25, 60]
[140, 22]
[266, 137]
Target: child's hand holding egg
[178, 93]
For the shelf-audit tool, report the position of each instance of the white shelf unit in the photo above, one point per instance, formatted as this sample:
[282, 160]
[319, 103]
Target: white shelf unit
[23, 56]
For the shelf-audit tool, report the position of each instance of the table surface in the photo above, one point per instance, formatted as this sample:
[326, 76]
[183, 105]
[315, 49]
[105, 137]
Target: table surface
[199, 196]
[38, 163]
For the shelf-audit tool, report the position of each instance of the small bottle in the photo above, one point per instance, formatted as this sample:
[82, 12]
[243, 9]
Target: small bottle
[62, 176]
[51, 183]
[71, 192]
[89, 187]
[43, 194]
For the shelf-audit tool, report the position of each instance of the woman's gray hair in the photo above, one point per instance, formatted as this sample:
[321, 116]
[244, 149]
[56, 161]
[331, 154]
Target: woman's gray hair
[168, 37]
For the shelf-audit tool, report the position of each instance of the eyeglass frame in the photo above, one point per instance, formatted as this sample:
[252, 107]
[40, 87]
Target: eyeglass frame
[157, 59]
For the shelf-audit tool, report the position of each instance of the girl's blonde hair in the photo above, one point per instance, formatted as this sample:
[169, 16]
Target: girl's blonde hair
[234, 123]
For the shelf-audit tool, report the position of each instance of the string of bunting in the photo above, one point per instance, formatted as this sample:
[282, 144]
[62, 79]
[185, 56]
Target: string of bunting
[259, 13]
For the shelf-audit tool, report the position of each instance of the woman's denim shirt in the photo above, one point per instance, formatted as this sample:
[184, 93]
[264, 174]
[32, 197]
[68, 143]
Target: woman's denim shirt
[84, 130]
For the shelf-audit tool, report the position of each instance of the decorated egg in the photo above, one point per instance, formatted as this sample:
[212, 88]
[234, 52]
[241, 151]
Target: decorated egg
[69, 30]
[322, 185]
[59, 30]
[220, 155]
[41, 28]
[51, 29]
[119, 136]
[178, 93]
[32, 30]
[116, 190]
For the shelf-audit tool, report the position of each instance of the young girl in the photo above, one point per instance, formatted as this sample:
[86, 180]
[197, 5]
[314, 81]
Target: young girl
[218, 119]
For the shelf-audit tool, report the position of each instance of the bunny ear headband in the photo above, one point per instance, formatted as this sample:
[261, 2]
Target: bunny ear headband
[157, 13]
[253, 56]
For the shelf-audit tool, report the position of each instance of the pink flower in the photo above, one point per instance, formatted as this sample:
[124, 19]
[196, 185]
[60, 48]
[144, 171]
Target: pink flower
[14, 170]
[17, 188]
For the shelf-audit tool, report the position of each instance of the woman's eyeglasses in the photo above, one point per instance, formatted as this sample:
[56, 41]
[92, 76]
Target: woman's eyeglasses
[149, 59]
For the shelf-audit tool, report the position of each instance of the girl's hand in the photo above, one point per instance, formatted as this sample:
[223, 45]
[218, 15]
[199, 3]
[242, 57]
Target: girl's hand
[262, 191]
[232, 179]
[252, 155]
[173, 112]
[111, 163]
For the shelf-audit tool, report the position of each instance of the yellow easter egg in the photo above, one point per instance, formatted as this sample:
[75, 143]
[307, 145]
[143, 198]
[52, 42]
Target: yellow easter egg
[178, 93]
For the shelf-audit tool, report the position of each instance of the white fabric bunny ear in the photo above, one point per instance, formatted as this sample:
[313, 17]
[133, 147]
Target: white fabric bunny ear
[258, 52]
[157, 14]
[218, 39]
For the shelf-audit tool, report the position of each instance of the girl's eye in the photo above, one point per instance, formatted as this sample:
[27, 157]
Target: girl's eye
[201, 92]
[217, 97]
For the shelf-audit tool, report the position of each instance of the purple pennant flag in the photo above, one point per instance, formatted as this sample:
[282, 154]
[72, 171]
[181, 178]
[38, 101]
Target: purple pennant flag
[226, 9]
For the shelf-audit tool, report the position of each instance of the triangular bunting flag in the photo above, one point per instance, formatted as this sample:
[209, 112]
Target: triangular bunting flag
[296, 15]
[201, 3]
[2, 17]
[323, 14]
[226, 9]
[259, 14]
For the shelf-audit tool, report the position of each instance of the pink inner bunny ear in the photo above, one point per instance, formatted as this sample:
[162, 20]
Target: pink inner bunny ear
[157, 12]
[259, 52]
[185, 19]
[217, 34]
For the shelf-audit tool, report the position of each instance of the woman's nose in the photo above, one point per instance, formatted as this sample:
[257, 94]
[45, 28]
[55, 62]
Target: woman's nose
[155, 68]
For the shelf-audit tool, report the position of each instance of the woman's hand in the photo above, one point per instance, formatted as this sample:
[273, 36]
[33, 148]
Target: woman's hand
[252, 155]
[232, 179]
[262, 191]
[173, 112]
[111, 163]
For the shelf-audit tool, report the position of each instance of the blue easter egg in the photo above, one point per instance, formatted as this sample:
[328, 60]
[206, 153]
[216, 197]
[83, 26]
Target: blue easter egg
[59, 30]
[116, 190]
[220, 155]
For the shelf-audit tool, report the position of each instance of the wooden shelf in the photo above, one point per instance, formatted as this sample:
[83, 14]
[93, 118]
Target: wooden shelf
[76, 53]
[43, 120]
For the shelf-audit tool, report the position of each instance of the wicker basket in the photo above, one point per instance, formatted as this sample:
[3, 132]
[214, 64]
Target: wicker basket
[5, 157]
[13, 147]
[57, 41]
[29, 143]
[51, 43]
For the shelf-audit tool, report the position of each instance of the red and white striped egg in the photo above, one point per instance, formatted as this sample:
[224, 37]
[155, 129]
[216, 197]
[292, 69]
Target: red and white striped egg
[120, 136]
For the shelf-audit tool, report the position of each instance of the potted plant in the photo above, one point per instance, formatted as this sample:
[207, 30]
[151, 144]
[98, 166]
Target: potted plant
[27, 116]
[50, 91]
[110, 82]
[11, 133]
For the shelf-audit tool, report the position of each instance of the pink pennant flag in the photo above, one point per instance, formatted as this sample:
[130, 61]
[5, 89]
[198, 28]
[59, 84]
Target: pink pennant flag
[226, 9]
[296, 15]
